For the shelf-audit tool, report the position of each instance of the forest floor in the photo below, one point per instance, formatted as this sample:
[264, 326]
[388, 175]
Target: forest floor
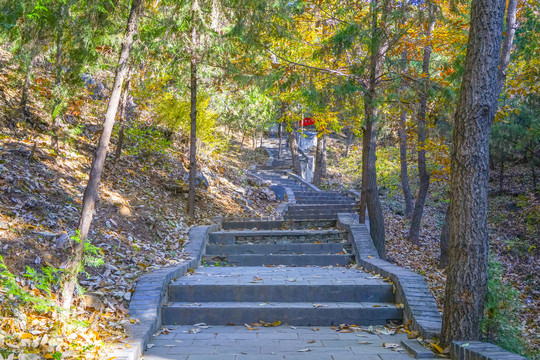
[140, 225]
[514, 225]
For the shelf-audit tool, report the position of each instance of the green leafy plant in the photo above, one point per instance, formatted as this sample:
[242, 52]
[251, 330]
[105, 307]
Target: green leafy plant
[13, 293]
[501, 324]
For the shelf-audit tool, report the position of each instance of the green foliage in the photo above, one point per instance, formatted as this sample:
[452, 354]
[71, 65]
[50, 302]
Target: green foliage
[45, 279]
[174, 113]
[143, 141]
[501, 323]
[91, 255]
[12, 293]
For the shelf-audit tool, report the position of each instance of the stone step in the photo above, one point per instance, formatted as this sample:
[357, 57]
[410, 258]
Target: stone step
[297, 313]
[321, 193]
[313, 217]
[276, 236]
[318, 207]
[282, 259]
[268, 291]
[327, 248]
[298, 224]
[319, 201]
[316, 197]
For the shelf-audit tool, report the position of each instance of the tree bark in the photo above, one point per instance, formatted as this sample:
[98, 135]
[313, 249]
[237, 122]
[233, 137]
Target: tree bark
[280, 141]
[193, 136]
[365, 152]
[445, 238]
[318, 161]
[504, 59]
[73, 267]
[407, 195]
[350, 138]
[55, 127]
[323, 161]
[379, 46]
[122, 116]
[414, 232]
[468, 254]
[506, 48]
[26, 87]
[501, 176]
[297, 169]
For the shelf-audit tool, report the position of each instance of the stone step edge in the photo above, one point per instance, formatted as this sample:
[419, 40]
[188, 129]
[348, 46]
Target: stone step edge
[423, 314]
[149, 295]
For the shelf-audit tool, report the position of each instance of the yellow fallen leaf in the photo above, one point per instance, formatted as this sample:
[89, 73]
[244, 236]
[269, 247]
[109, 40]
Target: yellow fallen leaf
[27, 336]
[437, 348]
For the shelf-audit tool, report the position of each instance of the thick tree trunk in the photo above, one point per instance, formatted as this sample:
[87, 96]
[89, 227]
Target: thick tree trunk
[379, 45]
[504, 59]
[407, 195]
[91, 193]
[468, 254]
[414, 232]
[317, 175]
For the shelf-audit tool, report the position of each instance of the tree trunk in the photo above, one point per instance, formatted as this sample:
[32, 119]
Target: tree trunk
[55, 116]
[23, 105]
[297, 169]
[468, 254]
[407, 195]
[279, 139]
[414, 232]
[504, 59]
[318, 161]
[323, 161]
[501, 176]
[363, 194]
[533, 173]
[91, 192]
[350, 138]
[193, 140]
[243, 138]
[379, 45]
[445, 238]
[506, 49]
[122, 116]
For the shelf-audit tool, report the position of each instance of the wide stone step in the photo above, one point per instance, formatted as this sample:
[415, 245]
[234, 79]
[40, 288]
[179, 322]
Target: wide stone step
[325, 202]
[312, 217]
[284, 259]
[328, 248]
[268, 291]
[276, 236]
[321, 193]
[317, 207]
[299, 224]
[296, 313]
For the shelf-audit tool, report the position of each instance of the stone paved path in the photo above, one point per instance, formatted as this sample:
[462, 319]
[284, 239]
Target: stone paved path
[295, 295]
[282, 342]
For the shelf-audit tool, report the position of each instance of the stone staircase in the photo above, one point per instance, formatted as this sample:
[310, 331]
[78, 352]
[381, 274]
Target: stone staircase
[295, 270]
[313, 289]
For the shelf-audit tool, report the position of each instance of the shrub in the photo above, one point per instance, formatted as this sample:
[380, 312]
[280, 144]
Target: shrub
[501, 324]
